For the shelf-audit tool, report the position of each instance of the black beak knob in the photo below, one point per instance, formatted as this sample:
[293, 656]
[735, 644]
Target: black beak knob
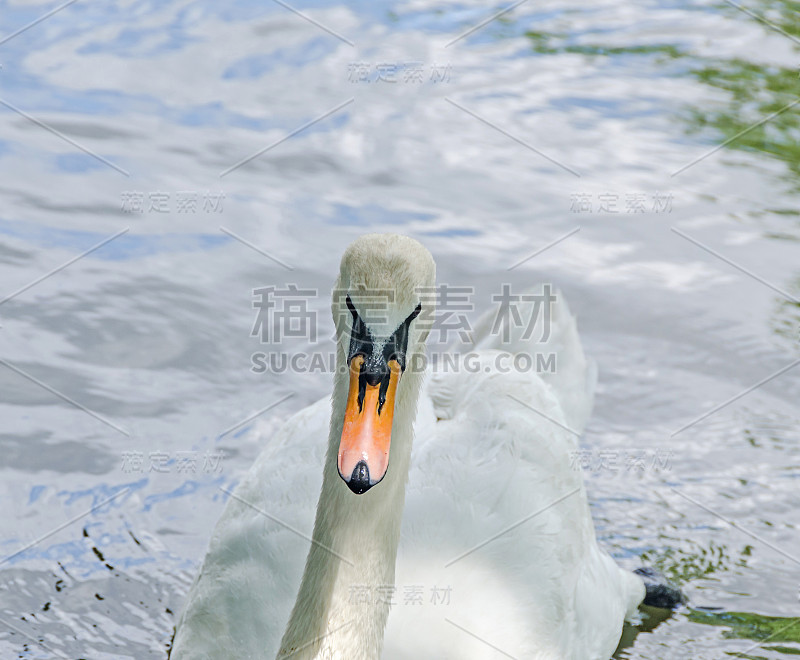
[359, 480]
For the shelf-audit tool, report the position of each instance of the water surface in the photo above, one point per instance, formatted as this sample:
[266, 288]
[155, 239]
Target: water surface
[126, 375]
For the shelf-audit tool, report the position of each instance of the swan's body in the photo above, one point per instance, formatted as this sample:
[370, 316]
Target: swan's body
[496, 537]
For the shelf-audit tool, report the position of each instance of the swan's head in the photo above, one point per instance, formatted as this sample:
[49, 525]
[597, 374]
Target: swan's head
[383, 307]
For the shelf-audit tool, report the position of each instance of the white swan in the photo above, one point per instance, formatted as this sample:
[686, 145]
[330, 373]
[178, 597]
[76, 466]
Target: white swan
[497, 549]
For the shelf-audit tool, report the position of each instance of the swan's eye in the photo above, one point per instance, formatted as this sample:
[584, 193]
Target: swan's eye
[350, 306]
[361, 342]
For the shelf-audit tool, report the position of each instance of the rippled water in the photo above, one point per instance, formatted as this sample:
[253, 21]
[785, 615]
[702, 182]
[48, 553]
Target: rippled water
[124, 374]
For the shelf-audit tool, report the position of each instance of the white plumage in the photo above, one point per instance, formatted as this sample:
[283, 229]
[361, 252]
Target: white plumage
[497, 549]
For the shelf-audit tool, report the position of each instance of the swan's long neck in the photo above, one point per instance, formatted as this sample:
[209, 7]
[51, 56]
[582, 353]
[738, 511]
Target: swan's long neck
[348, 583]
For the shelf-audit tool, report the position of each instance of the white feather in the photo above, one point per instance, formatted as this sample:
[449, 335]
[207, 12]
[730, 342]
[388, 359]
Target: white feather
[496, 521]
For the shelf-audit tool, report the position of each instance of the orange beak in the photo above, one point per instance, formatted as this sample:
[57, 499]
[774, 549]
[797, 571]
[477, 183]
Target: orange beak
[367, 431]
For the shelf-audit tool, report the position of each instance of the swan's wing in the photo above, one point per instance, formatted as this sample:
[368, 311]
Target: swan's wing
[552, 344]
[249, 580]
[495, 523]
[498, 546]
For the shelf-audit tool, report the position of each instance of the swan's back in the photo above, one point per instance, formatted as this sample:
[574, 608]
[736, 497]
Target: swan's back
[497, 515]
